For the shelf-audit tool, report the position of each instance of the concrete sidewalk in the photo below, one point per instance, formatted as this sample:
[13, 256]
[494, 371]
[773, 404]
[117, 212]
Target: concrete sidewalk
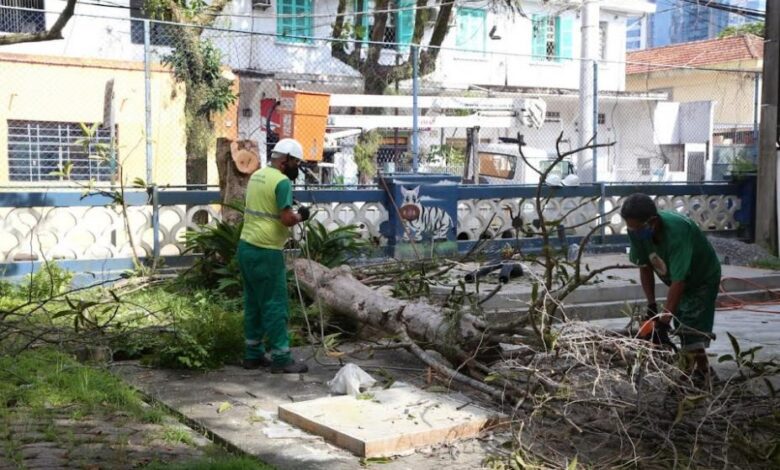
[613, 291]
[239, 407]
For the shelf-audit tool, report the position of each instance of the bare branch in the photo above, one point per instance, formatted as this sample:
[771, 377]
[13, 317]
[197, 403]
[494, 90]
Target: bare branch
[53, 34]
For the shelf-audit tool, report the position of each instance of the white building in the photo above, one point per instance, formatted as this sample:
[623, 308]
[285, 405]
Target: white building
[485, 52]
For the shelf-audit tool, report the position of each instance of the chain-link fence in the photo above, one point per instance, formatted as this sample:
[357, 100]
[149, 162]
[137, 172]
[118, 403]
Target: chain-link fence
[160, 101]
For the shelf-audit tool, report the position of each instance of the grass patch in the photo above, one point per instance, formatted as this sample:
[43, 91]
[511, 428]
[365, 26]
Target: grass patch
[177, 435]
[772, 263]
[44, 379]
[214, 463]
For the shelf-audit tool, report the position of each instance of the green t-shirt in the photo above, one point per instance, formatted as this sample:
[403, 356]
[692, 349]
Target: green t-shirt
[683, 253]
[269, 192]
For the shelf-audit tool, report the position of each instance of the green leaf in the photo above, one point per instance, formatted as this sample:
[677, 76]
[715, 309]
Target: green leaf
[365, 396]
[374, 460]
[139, 182]
[224, 406]
[573, 464]
[62, 313]
[751, 351]
[725, 358]
[734, 344]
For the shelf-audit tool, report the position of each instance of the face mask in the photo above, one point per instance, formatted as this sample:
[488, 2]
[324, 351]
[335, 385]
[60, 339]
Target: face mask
[291, 172]
[645, 233]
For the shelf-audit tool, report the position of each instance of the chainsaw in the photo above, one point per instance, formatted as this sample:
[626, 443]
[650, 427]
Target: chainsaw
[656, 331]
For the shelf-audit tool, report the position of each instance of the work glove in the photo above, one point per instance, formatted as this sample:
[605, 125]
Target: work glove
[652, 311]
[304, 212]
[657, 332]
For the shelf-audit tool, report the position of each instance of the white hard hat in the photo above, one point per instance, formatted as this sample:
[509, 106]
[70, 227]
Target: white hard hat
[289, 147]
[571, 180]
[554, 180]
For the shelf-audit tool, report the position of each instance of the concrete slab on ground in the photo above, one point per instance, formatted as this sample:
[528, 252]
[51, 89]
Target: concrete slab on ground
[388, 422]
[249, 420]
[613, 291]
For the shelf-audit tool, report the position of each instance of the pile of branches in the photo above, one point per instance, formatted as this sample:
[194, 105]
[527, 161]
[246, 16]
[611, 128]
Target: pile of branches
[609, 400]
[574, 392]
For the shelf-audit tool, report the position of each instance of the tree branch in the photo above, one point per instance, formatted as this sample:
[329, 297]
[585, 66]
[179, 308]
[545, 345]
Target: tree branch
[53, 34]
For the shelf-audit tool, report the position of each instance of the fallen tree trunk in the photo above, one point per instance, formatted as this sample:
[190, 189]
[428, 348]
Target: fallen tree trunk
[413, 322]
[341, 293]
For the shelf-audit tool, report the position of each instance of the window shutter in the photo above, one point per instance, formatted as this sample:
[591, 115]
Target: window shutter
[405, 22]
[364, 27]
[538, 30]
[564, 32]
[471, 29]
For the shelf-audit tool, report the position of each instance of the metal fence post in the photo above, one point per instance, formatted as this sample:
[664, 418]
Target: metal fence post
[148, 100]
[155, 222]
[595, 119]
[602, 214]
[415, 110]
[756, 92]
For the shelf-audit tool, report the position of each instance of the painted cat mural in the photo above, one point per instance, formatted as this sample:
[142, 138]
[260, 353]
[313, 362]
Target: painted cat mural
[424, 223]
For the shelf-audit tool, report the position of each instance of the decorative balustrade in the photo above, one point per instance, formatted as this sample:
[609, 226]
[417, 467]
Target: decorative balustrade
[38, 226]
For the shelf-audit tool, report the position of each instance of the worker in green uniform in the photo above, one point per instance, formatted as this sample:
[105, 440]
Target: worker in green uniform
[267, 217]
[673, 247]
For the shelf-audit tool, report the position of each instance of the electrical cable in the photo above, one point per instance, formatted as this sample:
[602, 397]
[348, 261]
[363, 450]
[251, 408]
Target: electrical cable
[740, 304]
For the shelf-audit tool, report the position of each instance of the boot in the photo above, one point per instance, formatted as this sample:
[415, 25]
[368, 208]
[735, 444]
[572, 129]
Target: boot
[292, 367]
[256, 363]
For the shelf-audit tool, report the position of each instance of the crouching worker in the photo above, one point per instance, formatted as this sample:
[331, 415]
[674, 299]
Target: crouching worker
[267, 218]
[673, 247]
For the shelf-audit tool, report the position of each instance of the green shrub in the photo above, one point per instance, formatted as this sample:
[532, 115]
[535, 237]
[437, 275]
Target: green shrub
[50, 280]
[332, 248]
[218, 265]
[206, 331]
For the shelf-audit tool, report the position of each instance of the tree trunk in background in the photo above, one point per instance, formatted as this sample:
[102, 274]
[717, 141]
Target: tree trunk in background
[232, 182]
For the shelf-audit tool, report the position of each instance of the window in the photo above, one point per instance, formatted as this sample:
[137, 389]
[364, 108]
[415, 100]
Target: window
[551, 38]
[602, 118]
[552, 116]
[497, 165]
[400, 26]
[160, 34]
[643, 165]
[471, 29]
[36, 149]
[363, 19]
[562, 169]
[674, 155]
[602, 40]
[294, 21]
[22, 21]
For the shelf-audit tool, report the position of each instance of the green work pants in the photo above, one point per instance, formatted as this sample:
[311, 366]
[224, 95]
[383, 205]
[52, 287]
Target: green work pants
[696, 315]
[265, 302]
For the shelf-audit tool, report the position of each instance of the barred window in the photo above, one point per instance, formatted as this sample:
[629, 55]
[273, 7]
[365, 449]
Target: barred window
[160, 34]
[643, 165]
[22, 21]
[37, 149]
[294, 19]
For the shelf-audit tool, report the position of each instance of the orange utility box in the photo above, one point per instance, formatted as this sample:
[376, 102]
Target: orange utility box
[304, 116]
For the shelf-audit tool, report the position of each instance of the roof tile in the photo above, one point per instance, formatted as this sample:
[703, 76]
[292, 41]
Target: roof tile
[696, 54]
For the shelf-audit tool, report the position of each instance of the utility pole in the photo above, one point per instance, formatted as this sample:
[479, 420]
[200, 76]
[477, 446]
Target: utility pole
[766, 193]
[588, 55]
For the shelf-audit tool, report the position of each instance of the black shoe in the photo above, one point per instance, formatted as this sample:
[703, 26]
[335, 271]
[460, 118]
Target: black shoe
[256, 363]
[291, 368]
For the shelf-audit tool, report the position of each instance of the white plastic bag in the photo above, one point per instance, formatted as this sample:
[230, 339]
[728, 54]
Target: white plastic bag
[349, 379]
